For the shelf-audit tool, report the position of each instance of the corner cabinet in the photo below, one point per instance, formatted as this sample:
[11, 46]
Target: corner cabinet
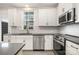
[47, 17]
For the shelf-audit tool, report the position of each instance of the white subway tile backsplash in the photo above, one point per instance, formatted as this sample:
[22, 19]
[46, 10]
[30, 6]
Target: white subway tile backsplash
[72, 29]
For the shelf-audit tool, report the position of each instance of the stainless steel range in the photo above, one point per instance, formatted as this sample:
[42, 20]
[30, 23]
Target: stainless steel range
[59, 44]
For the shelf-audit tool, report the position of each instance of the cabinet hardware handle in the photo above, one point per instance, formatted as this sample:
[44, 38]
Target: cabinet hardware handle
[73, 47]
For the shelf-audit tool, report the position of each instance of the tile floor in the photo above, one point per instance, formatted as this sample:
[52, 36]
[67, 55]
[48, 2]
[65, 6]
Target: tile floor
[38, 52]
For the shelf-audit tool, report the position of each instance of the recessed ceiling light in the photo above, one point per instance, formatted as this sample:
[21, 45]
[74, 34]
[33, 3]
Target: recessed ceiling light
[27, 6]
[27, 9]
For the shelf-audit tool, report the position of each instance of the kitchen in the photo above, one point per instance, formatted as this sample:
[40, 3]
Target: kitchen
[40, 28]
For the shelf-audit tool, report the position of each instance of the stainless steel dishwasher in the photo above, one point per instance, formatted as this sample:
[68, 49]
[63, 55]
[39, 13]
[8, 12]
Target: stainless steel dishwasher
[38, 42]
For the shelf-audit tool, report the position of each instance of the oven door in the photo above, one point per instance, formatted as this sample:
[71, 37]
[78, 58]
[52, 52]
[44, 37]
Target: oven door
[59, 49]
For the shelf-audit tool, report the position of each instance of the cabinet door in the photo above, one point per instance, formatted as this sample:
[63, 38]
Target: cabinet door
[72, 48]
[7, 38]
[20, 38]
[13, 39]
[28, 43]
[47, 17]
[68, 6]
[51, 17]
[43, 17]
[48, 42]
[11, 16]
[15, 16]
[19, 17]
[60, 9]
[77, 12]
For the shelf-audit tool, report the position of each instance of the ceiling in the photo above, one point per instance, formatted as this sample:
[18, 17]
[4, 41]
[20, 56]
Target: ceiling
[32, 5]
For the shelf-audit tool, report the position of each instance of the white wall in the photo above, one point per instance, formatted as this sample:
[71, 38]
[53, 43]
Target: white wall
[72, 29]
[3, 17]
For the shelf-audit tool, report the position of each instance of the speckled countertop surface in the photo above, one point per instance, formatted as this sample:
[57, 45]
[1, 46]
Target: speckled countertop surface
[10, 48]
[72, 38]
[69, 37]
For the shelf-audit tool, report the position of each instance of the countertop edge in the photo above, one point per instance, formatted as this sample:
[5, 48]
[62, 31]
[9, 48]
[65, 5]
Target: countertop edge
[74, 38]
[19, 49]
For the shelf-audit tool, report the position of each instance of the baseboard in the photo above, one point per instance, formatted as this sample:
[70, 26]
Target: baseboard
[49, 50]
[38, 50]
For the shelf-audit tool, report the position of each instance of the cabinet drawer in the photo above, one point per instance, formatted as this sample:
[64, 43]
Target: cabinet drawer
[72, 48]
[71, 51]
[68, 43]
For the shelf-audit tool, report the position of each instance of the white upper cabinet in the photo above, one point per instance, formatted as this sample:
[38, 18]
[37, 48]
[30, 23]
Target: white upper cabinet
[4, 15]
[77, 12]
[60, 9]
[68, 6]
[47, 17]
[15, 17]
[64, 7]
[11, 16]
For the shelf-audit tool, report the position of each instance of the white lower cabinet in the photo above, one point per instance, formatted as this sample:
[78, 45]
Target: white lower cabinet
[7, 38]
[26, 39]
[72, 48]
[28, 43]
[13, 39]
[48, 42]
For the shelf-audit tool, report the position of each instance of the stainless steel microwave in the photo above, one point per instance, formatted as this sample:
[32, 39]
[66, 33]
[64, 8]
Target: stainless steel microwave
[71, 15]
[67, 17]
[63, 19]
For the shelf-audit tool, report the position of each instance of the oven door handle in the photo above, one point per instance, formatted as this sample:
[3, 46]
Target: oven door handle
[61, 43]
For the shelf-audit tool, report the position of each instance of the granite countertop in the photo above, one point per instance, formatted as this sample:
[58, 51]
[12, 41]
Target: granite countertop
[72, 38]
[10, 48]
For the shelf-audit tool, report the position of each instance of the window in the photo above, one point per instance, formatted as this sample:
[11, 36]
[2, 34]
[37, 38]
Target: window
[28, 21]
